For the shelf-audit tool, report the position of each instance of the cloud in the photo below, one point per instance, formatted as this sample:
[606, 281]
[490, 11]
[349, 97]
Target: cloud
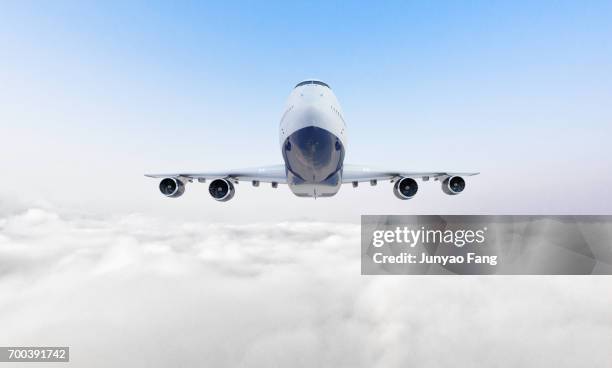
[141, 291]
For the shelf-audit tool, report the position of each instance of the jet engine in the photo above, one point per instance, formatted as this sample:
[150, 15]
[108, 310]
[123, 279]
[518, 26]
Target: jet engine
[172, 187]
[405, 188]
[453, 185]
[221, 190]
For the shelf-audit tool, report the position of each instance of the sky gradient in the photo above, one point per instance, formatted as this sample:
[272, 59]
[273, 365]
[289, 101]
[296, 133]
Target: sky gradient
[93, 96]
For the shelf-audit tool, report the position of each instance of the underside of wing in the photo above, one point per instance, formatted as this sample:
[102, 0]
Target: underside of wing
[265, 174]
[406, 186]
[221, 186]
[359, 173]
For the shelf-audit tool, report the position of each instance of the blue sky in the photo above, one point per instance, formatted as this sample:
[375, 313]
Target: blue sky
[96, 94]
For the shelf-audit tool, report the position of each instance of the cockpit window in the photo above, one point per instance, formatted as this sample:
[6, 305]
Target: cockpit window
[304, 83]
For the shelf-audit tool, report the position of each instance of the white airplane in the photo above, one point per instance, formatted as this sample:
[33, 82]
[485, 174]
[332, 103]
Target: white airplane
[313, 142]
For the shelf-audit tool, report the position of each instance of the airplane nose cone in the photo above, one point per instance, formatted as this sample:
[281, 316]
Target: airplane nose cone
[313, 154]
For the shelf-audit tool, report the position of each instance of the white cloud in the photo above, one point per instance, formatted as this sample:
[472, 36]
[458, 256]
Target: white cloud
[143, 292]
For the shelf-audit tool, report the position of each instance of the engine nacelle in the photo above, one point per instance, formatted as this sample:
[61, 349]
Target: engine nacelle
[405, 188]
[172, 187]
[453, 185]
[221, 190]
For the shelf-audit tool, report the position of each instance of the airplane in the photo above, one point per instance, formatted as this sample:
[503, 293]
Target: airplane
[313, 141]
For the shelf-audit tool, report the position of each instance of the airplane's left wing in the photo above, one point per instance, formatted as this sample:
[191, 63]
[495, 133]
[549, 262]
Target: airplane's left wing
[405, 184]
[221, 187]
[358, 173]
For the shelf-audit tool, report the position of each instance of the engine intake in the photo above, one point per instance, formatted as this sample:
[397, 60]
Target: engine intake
[453, 185]
[172, 187]
[405, 188]
[221, 190]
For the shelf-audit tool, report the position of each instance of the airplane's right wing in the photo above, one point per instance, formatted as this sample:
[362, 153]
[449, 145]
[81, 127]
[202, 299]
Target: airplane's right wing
[266, 174]
[221, 187]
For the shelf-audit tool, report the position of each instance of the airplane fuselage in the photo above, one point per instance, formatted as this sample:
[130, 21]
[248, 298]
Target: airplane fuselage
[313, 140]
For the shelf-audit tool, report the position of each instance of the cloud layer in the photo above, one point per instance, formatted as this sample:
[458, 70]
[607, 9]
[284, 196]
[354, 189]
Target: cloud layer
[146, 292]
